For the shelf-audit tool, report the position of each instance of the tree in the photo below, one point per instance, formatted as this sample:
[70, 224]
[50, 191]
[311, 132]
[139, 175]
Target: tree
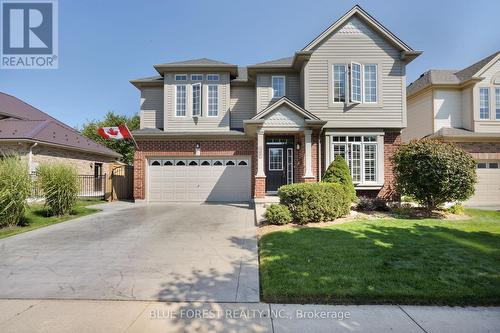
[434, 172]
[124, 147]
[338, 172]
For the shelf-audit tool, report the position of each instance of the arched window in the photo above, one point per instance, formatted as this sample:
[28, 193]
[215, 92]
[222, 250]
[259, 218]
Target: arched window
[217, 163]
[242, 163]
[155, 163]
[230, 163]
[180, 163]
[205, 163]
[192, 163]
[168, 163]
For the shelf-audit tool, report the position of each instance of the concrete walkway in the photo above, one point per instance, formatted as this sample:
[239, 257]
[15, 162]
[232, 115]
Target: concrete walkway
[136, 316]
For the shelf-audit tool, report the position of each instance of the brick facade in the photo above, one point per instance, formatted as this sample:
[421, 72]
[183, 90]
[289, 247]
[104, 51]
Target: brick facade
[481, 150]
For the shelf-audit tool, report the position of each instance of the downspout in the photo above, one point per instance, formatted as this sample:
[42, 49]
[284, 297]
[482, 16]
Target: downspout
[319, 154]
[30, 157]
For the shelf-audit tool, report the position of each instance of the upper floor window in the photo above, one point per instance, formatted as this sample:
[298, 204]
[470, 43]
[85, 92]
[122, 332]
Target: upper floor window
[212, 77]
[484, 103]
[213, 100]
[339, 80]
[196, 77]
[196, 99]
[359, 79]
[278, 84]
[180, 77]
[180, 100]
[497, 103]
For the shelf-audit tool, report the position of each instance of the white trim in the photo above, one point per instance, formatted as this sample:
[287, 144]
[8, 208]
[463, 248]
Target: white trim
[289, 168]
[376, 83]
[346, 83]
[200, 99]
[175, 101]
[360, 83]
[208, 100]
[175, 77]
[284, 85]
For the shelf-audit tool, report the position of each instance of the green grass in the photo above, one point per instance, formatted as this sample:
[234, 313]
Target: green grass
[425, 261]
[36, 217]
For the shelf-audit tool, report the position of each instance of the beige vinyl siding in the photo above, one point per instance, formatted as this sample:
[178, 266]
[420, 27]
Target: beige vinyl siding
[447, 109]
[203, 123]
[419, 117]
[467, 109]
[243, 105]
[492, 125]
[265, 90]
[355, 41]
[151, 110]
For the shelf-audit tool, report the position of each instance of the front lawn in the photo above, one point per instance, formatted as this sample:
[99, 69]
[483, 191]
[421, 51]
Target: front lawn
[426, 261]
[36, 217]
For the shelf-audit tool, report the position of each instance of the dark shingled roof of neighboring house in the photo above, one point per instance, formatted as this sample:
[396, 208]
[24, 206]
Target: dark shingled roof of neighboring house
[449, 132]
[281, 62]
[197, 62]
[21, 121]
[448, 76]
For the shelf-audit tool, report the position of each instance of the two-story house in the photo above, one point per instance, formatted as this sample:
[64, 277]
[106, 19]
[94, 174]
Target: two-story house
[463, 107]
[213, 131]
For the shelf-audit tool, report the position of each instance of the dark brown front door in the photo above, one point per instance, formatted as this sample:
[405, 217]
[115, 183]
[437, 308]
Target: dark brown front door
[279, 162]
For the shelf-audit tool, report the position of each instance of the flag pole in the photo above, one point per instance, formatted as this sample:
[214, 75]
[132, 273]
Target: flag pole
[133, 139]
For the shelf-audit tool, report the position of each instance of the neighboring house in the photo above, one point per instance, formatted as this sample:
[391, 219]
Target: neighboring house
[38, 138]
[462, 106]
[213, 131]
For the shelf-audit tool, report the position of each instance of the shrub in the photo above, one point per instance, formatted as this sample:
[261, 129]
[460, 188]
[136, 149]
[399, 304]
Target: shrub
[338, 172]
[456, 209]
[315, 202]
[372, 204]
[405, 210]
[433, 172]
[278, 214]
[14, 190]
[59, 184]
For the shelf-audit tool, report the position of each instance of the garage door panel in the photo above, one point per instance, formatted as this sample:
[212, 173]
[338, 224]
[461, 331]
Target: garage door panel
[487, 189]
[199, 182]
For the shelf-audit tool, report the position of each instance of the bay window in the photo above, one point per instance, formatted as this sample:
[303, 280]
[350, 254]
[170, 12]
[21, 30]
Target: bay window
[180, 100]
[361, 155]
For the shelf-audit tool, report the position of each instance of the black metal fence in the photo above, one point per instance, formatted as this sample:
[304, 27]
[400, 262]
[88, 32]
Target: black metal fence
[89, 186]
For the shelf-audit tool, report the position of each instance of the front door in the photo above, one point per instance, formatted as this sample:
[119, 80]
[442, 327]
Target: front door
[279, 162]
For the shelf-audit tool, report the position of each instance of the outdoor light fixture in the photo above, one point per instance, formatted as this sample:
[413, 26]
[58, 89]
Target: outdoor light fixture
[298, 146]
[197, 150]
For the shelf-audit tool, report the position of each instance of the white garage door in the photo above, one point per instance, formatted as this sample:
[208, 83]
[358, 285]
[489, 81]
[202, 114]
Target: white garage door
[200, 179]
[488, 185]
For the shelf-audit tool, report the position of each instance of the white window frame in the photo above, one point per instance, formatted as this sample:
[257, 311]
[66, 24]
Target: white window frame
[284, 85]
[208, 100]
[364, 84]
[197, 84]
[353, 99]
[197, 80]
[177, 77]
[213, 77]
[346, 83]
[269, 159]
[185, 101]
[497, 103]
[487, 100]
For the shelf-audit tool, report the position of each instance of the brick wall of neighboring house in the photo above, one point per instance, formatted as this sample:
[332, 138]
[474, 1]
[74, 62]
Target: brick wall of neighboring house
[157, 148]
[83, 162]
[391, 141]
[482, 150]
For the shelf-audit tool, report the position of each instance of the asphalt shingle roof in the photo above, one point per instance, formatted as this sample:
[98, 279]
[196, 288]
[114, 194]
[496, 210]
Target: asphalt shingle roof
[277, 62]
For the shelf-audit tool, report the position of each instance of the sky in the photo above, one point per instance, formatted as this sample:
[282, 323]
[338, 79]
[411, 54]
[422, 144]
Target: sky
[104, 44]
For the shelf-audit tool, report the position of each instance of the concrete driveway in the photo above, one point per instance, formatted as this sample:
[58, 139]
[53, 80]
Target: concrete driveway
[174, 252]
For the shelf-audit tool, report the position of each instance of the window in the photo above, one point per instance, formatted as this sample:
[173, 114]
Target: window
[193, 163]
[356, 82]
[482, 165]
[242, 163]
[230, 162]
[181, 77]
[196, 77]
[289, 165]
[213, 100]
[205, 163]
[217, 162]
[278, 83]
[212, 77]
[180, 163]
[155, 162]
[360, 153]
[370, 83]
[484, 103]
[275, 159]
[168, 163]
[339, 78]
[493, 165]
[180, 100]
[197, 99]
[497, 103]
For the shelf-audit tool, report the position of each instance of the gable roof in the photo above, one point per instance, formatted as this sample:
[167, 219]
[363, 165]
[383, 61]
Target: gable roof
[407, 51]
[24, 122]
[284, 101]
[195, 64]
[451, 77]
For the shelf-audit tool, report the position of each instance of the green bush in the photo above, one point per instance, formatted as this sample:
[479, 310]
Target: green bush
[278, 214]
[315, 202]
[14, 190]
[456, 209]
[338, 172]
[433, 172]
[372, 204]
[59, 184]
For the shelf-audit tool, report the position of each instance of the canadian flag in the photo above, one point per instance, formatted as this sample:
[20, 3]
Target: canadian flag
[116, 133]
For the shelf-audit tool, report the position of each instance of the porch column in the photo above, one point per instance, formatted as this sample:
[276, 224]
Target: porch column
[308, 153]
[260, 154]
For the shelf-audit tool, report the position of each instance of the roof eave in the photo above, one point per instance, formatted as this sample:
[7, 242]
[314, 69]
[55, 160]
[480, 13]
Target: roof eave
[141, 83]
[161, 68]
